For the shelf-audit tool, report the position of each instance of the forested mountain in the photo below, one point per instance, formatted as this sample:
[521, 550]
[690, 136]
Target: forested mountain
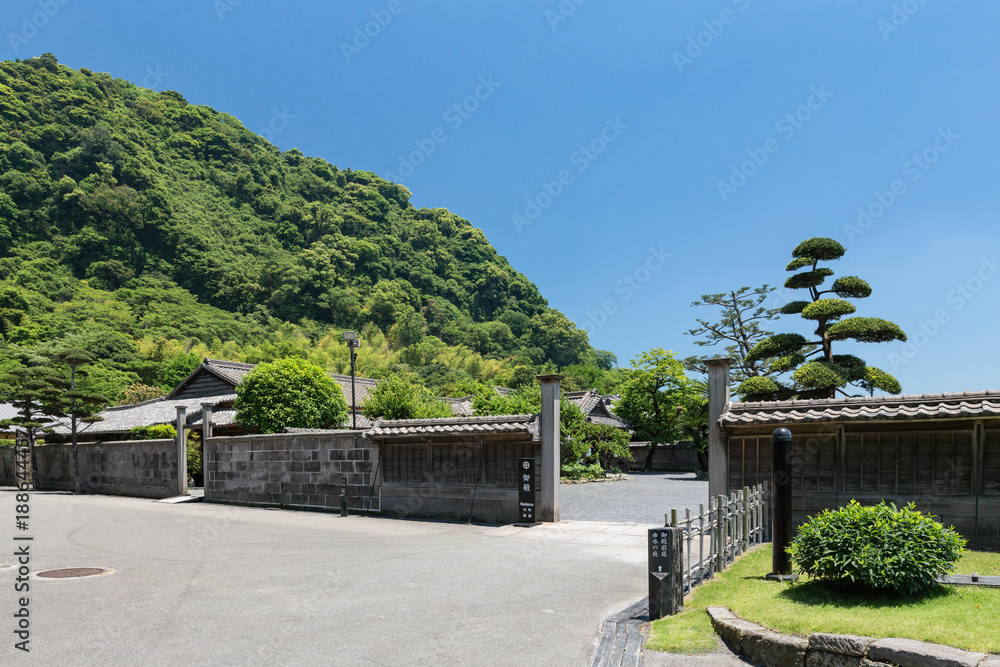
[153, 231]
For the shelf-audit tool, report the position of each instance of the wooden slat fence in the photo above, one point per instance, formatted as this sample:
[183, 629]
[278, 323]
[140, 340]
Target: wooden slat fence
[730, 527]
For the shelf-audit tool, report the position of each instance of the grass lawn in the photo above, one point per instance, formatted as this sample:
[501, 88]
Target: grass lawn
[964, 617]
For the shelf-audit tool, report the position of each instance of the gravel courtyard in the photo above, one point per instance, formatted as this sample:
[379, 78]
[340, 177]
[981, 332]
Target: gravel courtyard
[643, 499]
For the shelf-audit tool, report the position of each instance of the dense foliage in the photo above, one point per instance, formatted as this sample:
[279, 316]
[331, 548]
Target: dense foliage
[289, 393]
[878, 548]
[396, 398]
[816, 372]
[152, 232]
[654, 397]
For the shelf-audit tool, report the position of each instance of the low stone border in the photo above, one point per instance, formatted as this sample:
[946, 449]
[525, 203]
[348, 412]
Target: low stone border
[763, 646]
[608, 478]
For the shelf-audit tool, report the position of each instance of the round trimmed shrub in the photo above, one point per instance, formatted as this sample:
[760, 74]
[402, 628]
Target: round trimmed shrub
[879, 548]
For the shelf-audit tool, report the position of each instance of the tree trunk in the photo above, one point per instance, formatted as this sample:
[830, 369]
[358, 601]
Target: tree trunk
[649, 458]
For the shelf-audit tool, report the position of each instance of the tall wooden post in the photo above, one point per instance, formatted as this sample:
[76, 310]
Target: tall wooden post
[718, 452]
[182, 461]
[548, 502]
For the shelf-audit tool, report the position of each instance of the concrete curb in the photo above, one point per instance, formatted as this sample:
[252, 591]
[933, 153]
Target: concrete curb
[766, 647]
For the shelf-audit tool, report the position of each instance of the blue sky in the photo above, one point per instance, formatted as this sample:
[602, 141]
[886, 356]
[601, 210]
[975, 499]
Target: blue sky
[590, 140]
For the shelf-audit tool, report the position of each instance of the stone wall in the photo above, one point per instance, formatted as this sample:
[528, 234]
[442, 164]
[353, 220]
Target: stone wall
[143, 468]
[293, 470]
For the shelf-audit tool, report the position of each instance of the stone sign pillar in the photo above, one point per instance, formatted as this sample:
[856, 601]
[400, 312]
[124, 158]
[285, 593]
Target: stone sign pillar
[718, 454]
[182, 466]
[548, 502]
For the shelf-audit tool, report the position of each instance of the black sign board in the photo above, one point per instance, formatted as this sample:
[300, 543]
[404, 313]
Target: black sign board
[659, 558]
[526, 489]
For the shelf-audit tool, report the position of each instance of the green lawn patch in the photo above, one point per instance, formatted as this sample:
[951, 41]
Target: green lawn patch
[964, 617]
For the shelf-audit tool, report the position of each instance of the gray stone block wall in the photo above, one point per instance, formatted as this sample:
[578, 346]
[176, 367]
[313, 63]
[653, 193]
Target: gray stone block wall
[142, 468]
[293, 470]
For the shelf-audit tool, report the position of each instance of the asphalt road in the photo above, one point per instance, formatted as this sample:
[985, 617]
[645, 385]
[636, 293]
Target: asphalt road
[643, 499]
[206, 584]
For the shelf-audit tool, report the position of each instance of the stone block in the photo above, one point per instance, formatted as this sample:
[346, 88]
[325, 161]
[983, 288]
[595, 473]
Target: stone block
[363, 466]
[311, 466]
[355, 454]
[843, 644]
[774, 649]
[733, 630]
[824, 659]
[865, 662]
[990, 661]
[912, 653]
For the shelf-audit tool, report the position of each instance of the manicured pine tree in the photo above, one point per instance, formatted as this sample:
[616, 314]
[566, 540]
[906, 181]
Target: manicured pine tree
[815, 370]
[35, 390]
[79, 406]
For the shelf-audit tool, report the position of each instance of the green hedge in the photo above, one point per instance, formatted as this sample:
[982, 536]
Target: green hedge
[881, 548]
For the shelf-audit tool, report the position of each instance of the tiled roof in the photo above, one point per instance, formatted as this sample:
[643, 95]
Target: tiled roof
[362, 387]
[233, 372]
[121, 418]
[596, 407]
[585, 400]
[461, 407]
[8, 411]
[456, 426]
[913, 406]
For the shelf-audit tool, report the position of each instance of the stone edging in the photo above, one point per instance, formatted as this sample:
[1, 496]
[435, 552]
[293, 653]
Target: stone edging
[766, 647]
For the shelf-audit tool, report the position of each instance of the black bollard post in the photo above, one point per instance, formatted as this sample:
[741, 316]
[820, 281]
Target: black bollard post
[343, 498]
[781, 505]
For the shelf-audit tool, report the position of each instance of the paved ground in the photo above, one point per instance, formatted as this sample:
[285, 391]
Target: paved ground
[643, 499]
[723, 658]
[220, 585]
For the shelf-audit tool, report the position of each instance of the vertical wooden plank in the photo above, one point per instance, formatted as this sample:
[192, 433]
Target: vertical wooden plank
[896, 486]
[954, 463]
[878, 463]
[861, 468]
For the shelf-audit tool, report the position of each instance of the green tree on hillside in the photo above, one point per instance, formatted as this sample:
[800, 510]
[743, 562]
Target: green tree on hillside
[289, 392]
[815, 370]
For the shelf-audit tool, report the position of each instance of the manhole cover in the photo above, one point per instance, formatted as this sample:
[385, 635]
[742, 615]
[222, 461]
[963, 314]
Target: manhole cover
[73, 572]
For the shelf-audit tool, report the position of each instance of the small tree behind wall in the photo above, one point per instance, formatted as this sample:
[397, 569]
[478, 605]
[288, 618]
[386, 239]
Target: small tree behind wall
[656, 387]
[289, 392]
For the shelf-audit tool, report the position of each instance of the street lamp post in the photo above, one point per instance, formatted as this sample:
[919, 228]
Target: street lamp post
[351, 338]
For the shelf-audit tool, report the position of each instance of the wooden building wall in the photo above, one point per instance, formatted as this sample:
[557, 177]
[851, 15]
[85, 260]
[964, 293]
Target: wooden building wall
[949, 468]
